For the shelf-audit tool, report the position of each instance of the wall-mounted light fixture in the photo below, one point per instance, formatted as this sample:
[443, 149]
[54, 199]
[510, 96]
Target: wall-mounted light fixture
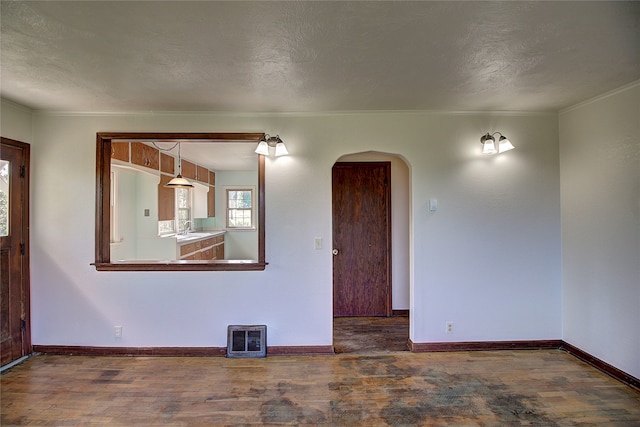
[489, 143]
[272, 141]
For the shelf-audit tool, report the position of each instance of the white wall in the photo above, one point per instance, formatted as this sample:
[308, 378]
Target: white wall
[488, 259]
[600, 186]
[16, 121]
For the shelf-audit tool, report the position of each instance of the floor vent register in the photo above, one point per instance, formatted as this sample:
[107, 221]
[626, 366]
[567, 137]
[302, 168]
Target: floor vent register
[246, 341]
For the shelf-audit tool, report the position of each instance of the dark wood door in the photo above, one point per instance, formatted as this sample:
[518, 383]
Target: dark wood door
[15, 338]
[362, 239]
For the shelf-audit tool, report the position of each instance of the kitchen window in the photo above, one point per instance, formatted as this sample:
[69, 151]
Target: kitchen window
[240, 207]
[183, 214]
[183, 202]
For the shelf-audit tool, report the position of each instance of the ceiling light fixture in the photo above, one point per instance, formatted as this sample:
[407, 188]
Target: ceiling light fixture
[271, 141]
[179, 181]
[489, 143]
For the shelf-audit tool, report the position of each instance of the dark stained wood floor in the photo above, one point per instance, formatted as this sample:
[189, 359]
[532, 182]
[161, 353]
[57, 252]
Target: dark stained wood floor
[533, 387]
[370, 334]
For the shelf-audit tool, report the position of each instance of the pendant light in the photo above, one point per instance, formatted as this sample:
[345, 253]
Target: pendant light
[179, 181]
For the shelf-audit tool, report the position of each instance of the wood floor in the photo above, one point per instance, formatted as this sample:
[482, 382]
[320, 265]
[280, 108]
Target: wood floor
[378, 388]
[370, 334]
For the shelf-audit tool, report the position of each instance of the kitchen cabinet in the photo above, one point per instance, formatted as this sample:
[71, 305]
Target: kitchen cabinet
[211, 202]
[120, 151]
[206, 253]
[219, 248]
[145, 155]
[166, 199]
[208, 248]
[202, 174]
[188, 169]
[167, 164]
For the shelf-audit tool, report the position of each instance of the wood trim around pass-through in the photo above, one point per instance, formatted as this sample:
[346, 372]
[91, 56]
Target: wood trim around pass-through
[103, 184]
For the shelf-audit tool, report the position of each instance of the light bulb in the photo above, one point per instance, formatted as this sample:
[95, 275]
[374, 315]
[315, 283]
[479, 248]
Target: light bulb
[281, 150]
[263, 148]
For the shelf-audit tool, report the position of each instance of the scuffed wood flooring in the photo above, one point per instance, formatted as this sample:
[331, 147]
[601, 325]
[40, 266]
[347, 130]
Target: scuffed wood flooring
[538, 387]
[370, 334]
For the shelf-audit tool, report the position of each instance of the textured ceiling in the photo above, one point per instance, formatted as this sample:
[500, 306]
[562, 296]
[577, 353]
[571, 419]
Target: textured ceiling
[315, 56]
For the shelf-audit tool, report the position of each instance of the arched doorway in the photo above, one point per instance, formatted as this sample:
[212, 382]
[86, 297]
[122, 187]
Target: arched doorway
[356, 333]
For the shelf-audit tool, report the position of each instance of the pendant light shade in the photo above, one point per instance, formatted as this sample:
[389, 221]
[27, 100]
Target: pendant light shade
[179, 181]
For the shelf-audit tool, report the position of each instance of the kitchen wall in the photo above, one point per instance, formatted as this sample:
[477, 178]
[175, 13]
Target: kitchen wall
[600, 187]
[488, 259]
[239, 244]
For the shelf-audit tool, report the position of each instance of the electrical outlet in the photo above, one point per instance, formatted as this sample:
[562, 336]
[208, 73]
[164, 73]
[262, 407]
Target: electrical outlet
[117, 331]
[449, 327]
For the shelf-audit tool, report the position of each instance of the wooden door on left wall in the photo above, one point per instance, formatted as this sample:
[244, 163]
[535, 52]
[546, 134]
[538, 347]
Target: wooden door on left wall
[15, 330]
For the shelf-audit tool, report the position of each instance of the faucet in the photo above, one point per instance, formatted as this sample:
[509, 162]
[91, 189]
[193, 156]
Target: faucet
[187, 227]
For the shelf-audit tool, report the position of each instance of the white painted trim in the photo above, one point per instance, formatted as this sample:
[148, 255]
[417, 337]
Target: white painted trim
[51, 113]
[599, 97]
[18, 106]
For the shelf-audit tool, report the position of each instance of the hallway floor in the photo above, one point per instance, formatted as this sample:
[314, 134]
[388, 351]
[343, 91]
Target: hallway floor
[370, 334]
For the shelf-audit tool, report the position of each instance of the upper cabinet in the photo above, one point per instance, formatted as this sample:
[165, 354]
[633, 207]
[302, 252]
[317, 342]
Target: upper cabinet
[167, 164]
[139, 154]
[188, 169]
[211, 196]
[211, 202]
[120, 151]
[145, 155]
[202, 174]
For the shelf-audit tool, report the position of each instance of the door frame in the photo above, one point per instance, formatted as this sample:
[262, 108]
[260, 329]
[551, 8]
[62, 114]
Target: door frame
[389, 285]
[27, 347]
